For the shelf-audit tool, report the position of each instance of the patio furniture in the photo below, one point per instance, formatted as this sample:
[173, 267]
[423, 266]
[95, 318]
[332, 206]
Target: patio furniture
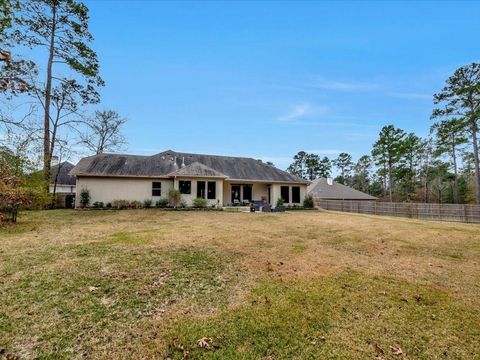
[266, 208]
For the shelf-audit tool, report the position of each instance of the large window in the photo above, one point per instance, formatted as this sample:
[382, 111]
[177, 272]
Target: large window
[296, 194]
[185, 187]
[212, 190]
[156, 188]
[201, 189]
[284, 193]
[247, 192]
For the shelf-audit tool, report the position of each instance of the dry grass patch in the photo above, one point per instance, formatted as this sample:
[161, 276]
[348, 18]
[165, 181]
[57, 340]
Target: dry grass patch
[147, 283]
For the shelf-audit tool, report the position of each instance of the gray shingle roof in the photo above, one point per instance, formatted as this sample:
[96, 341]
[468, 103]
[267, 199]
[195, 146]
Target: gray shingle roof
[319, 188]
[63, 170]
[164, 164]
[197, 169]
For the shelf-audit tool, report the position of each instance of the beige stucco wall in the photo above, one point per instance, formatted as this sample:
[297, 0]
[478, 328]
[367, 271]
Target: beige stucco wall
[260, 189]
[276, 193]
[188, 198]
[109, 189]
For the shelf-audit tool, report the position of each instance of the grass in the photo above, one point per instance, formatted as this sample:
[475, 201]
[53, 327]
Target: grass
[151, 284]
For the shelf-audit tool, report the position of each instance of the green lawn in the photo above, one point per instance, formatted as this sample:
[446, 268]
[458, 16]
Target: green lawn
[146, 284]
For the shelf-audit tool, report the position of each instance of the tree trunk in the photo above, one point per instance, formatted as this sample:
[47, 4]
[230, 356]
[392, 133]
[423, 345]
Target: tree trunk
[48, 93]
[455, 172]
[390, 182]
[475, 157]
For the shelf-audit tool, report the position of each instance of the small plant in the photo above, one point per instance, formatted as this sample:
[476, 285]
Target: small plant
[98, 205]
[162, 203]
[182, 204]
[308, 202]
[199, 203]
[174, 197]
[84, 198]
[135, 204]
[147, 203]
[120, 204]
[280, 202]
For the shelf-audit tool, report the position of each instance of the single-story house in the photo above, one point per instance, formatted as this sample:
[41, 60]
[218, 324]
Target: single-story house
[328, 189]
[221, 180]
[63, 184]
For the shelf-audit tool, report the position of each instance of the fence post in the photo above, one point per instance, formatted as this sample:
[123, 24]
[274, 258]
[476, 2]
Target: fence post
[375, 207]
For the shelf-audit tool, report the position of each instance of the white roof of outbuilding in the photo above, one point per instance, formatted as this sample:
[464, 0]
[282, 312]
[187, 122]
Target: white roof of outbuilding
[320, 188]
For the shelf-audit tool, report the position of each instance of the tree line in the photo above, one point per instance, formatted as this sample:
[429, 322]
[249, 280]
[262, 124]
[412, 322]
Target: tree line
[49, 107]
[443, 167]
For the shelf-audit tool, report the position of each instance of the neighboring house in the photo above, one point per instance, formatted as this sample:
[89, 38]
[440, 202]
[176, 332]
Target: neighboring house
[63, 185]
[327, 189]
[221, 180]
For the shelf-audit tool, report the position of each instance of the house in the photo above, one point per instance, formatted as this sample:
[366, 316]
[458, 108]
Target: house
[221, 180]
[63, 185]
[327, 189]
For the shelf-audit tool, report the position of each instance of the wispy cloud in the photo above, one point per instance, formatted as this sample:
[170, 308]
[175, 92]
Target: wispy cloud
[325, 151]
[302, 111]
[411, 96]
[345, 85]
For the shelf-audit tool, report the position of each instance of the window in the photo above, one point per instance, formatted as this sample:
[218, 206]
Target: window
[296, 194]
[201, 189]
[247, 192]
[185, 187]
[156, 188]
[284, 193]
[212, 190]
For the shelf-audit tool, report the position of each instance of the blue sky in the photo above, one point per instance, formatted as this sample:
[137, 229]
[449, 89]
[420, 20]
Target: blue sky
[267, 79]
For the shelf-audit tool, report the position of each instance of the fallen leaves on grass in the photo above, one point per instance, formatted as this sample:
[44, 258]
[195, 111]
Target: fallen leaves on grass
[206, 343]
[397, 350]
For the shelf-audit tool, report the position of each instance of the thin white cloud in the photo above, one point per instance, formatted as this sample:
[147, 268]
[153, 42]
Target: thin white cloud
[411, 96]
[345, 85]
[302, 111]
[325, 151]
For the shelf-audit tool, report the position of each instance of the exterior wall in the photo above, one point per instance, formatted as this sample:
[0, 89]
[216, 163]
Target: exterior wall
[109, 189]
[260, 190]
[188, 198]
[63, 189]
[276, 193]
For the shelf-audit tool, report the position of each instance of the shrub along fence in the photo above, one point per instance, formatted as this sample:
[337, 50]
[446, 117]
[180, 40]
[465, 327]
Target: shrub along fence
[440, 212]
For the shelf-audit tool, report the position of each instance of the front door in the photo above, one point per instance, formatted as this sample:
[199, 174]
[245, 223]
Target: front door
[235, 194]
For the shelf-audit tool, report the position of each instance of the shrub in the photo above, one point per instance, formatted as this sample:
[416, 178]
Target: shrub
[199, 203]
[98, 205]
[147, 203]
[84, 198]
[109, 205]
[174, 197]
[135, 204]
[308, 202]
[182, 204]
[120, 204]
[280, 202]
[162, 203]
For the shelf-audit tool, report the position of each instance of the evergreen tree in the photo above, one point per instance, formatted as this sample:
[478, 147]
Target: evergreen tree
[344, 165]
[387, 152]
[460, 100]
[60, 27]
[449, 137]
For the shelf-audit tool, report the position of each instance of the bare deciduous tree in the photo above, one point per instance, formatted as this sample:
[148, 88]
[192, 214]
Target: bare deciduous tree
[105, 132]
